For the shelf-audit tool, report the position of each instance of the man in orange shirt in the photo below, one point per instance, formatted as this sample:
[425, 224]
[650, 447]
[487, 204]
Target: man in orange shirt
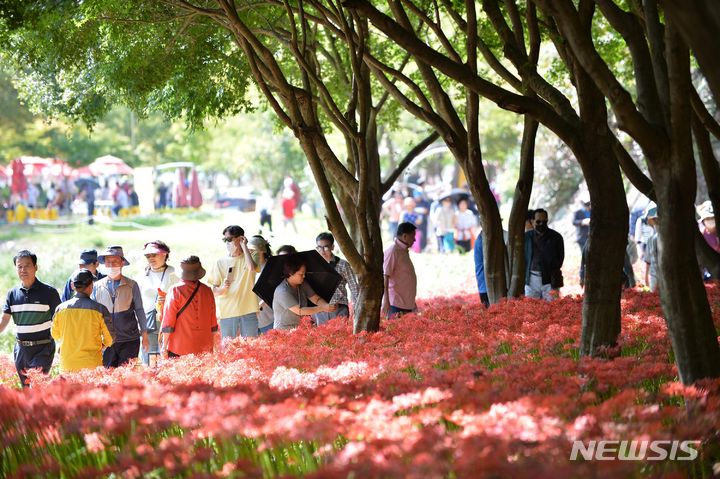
[189, 322]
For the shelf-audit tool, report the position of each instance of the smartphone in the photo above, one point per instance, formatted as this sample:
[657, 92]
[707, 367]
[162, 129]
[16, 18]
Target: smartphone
[153, 359]
[229, 275]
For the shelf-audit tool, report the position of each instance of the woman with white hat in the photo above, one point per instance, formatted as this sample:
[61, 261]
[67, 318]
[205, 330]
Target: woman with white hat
[154, 284]
[707, 225]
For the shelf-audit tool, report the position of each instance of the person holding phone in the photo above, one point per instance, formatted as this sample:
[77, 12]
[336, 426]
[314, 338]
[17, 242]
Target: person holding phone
[232, 279]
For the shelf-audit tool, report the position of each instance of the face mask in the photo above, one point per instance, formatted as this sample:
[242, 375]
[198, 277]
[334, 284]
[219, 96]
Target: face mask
[541, 228]
[113, 273]
[231, 248]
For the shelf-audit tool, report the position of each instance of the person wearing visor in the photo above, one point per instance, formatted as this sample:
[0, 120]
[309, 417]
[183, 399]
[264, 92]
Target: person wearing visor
[80, 326]
[121, 296]
[154, 284]
[544, 256]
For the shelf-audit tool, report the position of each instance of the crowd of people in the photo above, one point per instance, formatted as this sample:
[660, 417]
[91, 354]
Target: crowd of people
[449, 221]
[62, 196]
[104, 318]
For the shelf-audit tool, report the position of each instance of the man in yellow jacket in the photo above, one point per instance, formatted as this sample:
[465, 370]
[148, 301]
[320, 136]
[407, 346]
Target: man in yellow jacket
[82, 327]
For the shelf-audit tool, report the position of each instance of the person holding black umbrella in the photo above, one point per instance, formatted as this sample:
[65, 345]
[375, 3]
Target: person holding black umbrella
[290, 301]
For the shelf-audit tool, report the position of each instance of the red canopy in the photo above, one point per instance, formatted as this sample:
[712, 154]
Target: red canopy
[180, 199]
[196, 199]
[18, 184]
[61, 168]
[109, 165]
[34, 165]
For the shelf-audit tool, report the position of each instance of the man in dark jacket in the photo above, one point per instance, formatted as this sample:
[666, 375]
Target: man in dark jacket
[544, 256]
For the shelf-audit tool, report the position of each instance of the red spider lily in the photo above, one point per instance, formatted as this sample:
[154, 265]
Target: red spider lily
[452, 389]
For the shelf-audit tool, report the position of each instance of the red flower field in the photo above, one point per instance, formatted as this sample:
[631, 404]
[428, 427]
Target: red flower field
[453, 391]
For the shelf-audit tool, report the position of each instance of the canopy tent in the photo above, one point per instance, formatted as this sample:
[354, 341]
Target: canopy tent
[196, 199]
[61, 168]
[109, 165]
[34, 166]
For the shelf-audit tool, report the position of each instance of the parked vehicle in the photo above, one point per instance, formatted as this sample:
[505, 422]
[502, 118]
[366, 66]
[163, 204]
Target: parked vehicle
[240, 197]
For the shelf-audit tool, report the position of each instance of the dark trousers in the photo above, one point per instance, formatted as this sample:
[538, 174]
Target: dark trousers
[485, 300]
[464, 245]
[30, 357]
[265, 219]
[394, 311]
[120, 353]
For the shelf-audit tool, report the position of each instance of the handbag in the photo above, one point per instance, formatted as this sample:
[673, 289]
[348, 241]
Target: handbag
[151, 316]
[187, 303]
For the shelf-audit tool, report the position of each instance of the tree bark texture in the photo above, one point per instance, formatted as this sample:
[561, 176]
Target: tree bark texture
[682, 292]
[608, 237]
[518, 214]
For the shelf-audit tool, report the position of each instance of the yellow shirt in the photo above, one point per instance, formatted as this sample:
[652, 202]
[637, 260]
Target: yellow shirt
[239, 299]
[79, 326]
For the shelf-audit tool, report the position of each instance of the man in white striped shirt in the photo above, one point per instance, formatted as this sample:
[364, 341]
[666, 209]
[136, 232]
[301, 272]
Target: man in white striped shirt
[31, 306]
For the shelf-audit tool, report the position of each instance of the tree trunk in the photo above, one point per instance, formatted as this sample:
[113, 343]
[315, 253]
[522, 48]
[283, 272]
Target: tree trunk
[682, 292]
[366, 312]
[707, 257]
[605, 250]
[518, 214]
[608, 237]
[493, 241]
[708, 163]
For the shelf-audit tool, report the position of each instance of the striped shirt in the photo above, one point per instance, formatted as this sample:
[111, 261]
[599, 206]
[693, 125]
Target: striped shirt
[32, 310]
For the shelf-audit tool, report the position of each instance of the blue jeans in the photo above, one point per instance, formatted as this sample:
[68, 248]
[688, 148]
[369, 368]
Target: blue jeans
[245, 326]
[265, 329]
[153, 347]
[394, 312]
[322, 318]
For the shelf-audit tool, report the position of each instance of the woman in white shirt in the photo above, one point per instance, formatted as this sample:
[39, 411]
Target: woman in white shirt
[465, 224]
[156, 281]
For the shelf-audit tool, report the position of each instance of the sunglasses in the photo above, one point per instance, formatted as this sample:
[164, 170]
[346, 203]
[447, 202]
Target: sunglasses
[537, 222]
[228, 240]
[323, 248]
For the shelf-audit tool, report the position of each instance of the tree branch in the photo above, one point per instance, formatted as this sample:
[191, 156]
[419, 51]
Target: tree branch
[407, 159]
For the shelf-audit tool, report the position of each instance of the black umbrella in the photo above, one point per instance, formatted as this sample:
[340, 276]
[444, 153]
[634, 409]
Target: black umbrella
[321, 276]
[457, 194]
[83, 183]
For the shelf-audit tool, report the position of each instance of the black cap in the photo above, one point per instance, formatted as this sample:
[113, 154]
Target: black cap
[82, 278]
[88, 256]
